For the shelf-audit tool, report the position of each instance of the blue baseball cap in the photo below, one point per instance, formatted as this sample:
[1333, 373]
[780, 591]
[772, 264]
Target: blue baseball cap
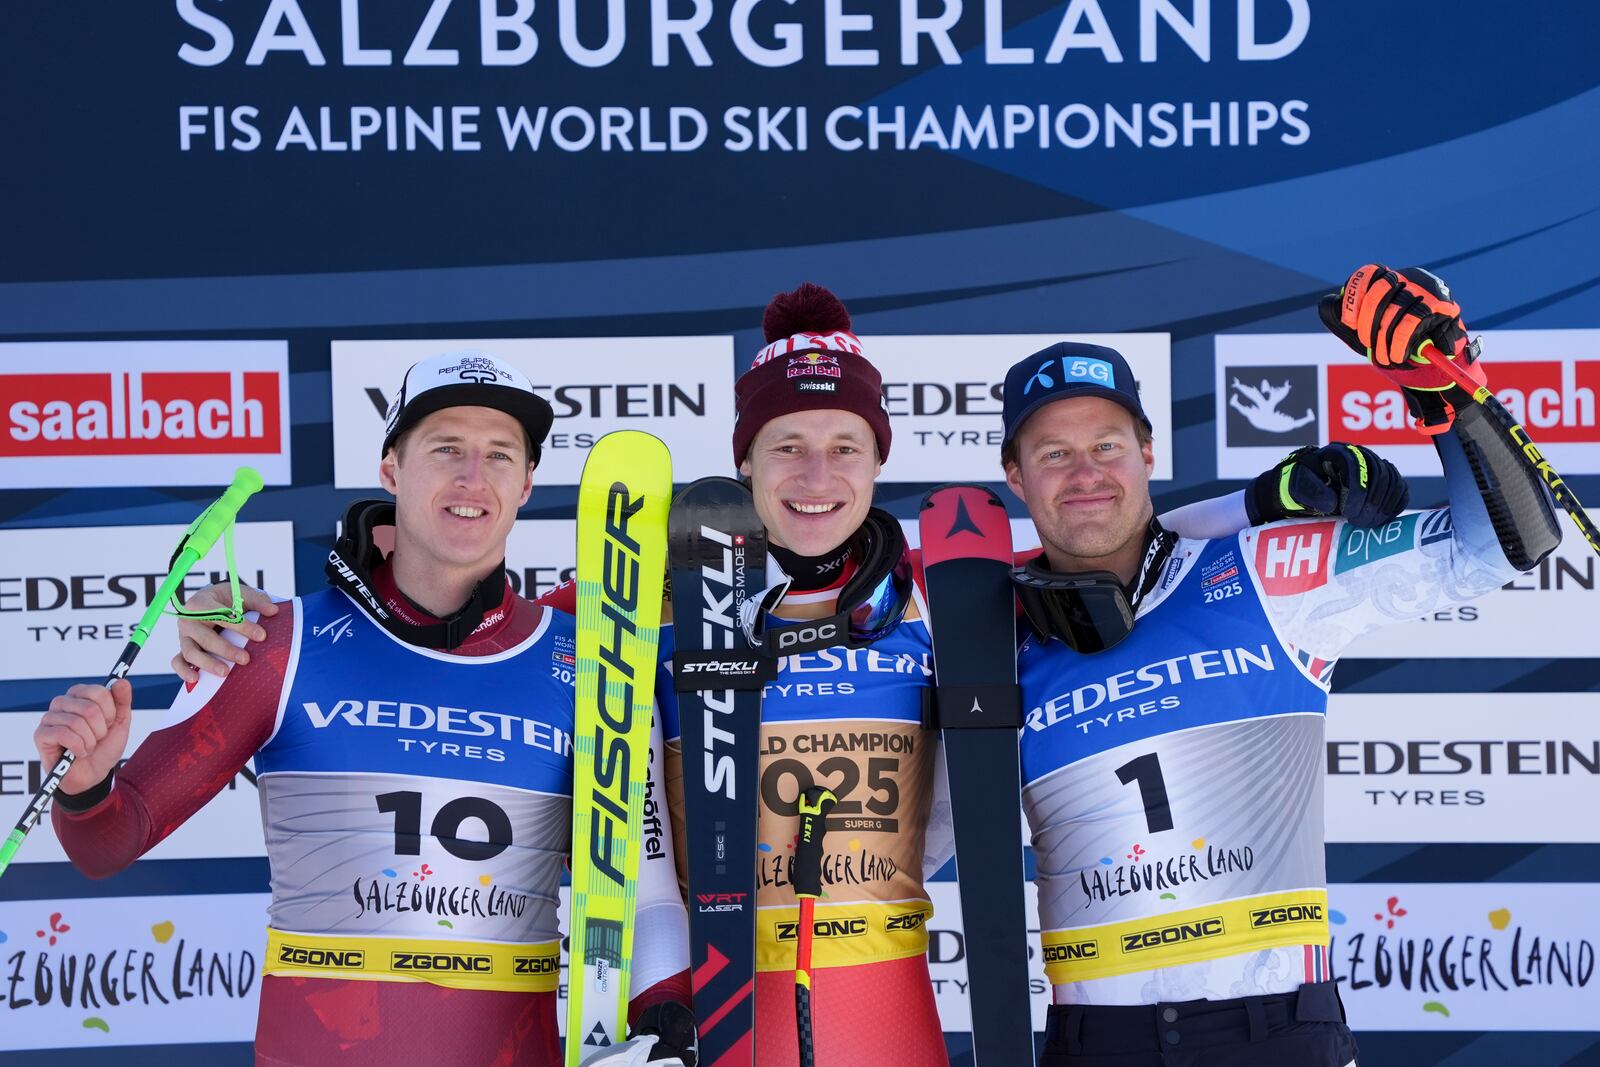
[1064, 370]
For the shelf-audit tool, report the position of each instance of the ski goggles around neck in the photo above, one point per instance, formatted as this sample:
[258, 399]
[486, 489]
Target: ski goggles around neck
[870, 605]
[1089, 611]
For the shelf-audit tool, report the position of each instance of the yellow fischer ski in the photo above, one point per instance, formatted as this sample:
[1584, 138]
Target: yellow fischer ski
[622, 548]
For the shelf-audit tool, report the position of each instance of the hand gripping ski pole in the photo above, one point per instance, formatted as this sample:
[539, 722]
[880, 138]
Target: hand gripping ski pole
[213, 522]
[815, 803]
[1519, 437]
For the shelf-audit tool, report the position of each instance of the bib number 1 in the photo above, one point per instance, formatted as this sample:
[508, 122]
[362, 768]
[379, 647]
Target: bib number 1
[1146, 770]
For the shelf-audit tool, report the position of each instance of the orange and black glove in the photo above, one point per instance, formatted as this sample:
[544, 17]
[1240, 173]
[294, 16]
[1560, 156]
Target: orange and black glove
[1388, 317]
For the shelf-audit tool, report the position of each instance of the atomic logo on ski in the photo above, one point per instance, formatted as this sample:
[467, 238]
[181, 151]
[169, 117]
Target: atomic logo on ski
[963, 522]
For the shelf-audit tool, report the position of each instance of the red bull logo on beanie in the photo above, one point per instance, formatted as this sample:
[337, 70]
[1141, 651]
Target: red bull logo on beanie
[818, 364]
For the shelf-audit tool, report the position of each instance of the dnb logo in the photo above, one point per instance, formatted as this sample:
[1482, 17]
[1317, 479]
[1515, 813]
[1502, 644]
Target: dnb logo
[1358, 547]
[1274, 406]
[1294, 559]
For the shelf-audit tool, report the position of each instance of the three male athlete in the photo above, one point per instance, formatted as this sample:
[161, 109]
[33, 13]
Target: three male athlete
[1173, 766]
[811, 436]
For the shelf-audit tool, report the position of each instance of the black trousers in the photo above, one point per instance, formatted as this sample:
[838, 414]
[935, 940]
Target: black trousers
[1301, 1029]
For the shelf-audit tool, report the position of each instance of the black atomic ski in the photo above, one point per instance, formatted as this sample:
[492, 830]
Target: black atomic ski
[718, 552]
[966, 552]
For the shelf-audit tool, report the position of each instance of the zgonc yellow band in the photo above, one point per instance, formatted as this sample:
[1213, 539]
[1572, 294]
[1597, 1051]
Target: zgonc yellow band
[844, 935]
[531, 968]
[1298, 917]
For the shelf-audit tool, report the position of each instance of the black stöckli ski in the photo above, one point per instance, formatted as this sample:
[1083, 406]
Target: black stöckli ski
[966, 552]
[718, 552]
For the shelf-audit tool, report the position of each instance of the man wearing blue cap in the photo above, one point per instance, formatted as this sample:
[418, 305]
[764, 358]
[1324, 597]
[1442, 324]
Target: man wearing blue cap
[1175, 692]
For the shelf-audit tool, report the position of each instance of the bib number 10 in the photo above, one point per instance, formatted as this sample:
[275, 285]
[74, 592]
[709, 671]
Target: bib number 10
[406, 806]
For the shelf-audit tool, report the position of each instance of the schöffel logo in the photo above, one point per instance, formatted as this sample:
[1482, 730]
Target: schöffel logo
[1176, 934]
[854, 926]
[299, 956]
[1072, 950]
[440, 962]
[1282, 916]
[914, 920]
[1294, 559]
[1272, 405]
[535, 964]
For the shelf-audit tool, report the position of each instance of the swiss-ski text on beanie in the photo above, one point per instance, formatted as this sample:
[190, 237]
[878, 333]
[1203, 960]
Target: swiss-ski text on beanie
[812, 362]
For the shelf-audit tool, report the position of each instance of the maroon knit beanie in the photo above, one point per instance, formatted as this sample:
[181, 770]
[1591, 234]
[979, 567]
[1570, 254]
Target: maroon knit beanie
[812, 362]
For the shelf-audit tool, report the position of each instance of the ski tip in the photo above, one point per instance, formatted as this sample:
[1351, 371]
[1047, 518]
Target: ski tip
[966, 522]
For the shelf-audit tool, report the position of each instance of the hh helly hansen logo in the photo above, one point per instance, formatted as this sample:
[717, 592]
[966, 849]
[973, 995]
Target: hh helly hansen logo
[1294, 559]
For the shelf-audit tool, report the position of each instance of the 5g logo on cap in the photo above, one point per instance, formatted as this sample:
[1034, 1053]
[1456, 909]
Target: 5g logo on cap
[1081, 369]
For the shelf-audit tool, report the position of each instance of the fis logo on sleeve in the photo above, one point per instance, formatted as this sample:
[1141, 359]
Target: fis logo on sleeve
[1224, 568]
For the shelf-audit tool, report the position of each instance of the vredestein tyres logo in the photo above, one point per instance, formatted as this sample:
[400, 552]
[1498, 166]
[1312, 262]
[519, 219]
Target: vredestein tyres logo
[619, 588]
[722, 591]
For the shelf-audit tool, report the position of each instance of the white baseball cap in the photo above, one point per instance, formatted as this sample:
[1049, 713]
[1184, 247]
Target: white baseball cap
[467, 379]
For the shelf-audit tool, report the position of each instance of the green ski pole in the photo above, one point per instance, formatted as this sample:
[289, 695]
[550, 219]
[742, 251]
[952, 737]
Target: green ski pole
[197, 541]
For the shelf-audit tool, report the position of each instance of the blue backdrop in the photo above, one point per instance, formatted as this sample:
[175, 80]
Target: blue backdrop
[212, 170]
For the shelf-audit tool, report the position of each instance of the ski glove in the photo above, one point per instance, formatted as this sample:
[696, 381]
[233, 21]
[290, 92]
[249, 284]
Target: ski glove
[1336, 479]
[1388, 318]
[664, 1035]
